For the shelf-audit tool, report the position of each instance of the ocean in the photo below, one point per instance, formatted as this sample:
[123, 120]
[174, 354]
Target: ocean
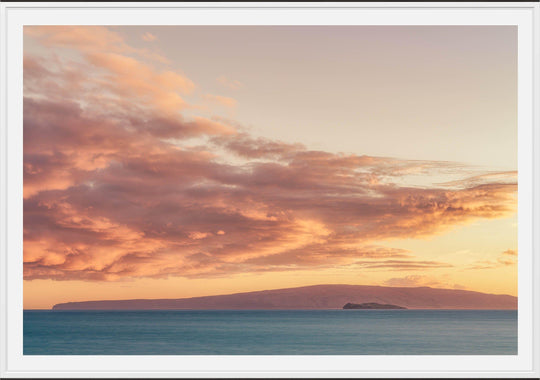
[271, 332]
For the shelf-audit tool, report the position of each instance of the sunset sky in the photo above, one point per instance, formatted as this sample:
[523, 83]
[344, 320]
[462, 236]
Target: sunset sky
[169, 162]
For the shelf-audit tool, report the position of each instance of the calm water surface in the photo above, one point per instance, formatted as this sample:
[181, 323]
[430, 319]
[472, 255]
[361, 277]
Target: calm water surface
[275, 332]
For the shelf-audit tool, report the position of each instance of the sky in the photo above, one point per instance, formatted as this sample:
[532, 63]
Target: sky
[181, 161]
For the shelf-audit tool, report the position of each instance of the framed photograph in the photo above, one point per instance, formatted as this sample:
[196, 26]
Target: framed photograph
[270, 190]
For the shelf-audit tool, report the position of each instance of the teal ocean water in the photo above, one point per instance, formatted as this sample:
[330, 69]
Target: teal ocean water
[271, 332]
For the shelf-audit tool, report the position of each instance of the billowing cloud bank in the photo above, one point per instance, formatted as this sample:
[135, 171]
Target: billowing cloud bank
[113, 190]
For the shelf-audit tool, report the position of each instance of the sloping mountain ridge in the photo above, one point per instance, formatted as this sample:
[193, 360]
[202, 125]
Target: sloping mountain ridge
[314, 297]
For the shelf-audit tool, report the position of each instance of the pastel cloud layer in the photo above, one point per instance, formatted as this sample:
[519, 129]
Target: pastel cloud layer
[114, 187]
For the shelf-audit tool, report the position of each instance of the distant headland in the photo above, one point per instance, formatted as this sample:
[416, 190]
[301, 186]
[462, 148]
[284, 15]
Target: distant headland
[314, 297]
[370, 306]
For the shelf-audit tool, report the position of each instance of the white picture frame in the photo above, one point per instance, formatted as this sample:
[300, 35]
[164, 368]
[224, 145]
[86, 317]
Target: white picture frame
[13, 364]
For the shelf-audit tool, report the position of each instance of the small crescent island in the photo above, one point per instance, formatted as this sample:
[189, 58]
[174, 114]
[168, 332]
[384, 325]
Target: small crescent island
[371, 305]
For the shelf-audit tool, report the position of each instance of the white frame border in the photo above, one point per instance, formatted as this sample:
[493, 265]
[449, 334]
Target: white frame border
[15, 15]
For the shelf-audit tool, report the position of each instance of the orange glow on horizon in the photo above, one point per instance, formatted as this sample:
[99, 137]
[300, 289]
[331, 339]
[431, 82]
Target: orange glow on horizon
[149, 171]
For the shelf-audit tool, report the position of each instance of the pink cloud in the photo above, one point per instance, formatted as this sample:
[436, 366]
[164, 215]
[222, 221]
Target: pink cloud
[87, 39]
[148, 37]
[418, 280]
[111, 191]
[500, 261]
[229, 83]
[411, 281]
[127, 76]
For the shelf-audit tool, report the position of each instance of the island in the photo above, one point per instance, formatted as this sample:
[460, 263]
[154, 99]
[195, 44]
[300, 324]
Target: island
[320, 297]
[371, 305]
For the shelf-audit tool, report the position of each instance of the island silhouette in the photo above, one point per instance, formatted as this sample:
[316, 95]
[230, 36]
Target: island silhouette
[371, 306]
[314, 297]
